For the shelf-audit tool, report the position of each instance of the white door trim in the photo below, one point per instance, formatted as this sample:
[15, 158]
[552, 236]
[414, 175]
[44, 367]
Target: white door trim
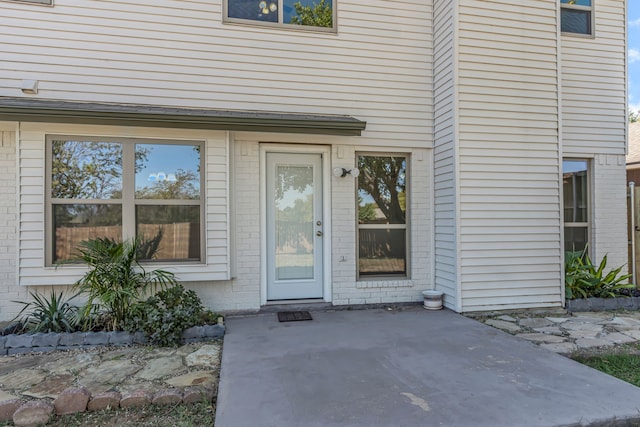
[326, 195]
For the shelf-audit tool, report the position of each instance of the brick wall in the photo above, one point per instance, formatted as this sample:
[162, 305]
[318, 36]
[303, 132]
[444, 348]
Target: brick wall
[609, 213]
[9, 290]
[346, 288]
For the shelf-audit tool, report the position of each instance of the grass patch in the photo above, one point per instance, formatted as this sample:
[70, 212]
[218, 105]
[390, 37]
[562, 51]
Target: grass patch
[624, 364]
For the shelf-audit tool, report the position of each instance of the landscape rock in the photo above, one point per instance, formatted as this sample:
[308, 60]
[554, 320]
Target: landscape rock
[19, 341]
[162, 367]
[32, 414]
[539, 338]
[72, 400]
[167, 397]
[535, 322]
[200, 378]
[46, 340]
[207, 355]
[8, 406]
[108, 399]
[501, 324]
[51, 387]
[20, 379]
[194, 395]
[135, 399]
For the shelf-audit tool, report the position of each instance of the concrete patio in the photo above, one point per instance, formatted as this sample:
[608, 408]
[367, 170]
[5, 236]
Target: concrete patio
[406, 368]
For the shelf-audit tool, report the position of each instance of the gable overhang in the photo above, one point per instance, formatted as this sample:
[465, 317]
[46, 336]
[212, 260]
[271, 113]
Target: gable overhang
[52, 111]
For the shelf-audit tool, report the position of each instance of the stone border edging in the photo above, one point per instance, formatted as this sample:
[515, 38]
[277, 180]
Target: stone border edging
[79, 399]
[603, 304]
[46, 342]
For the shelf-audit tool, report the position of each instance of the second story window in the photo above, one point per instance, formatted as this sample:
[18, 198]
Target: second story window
[576, 16]
[310, 13]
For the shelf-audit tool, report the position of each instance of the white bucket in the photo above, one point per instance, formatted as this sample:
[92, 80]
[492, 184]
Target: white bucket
[432, 300]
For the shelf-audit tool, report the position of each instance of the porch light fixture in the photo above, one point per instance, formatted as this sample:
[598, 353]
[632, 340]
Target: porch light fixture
[342, 172]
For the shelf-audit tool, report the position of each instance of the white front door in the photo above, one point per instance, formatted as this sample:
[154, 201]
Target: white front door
[294, 226]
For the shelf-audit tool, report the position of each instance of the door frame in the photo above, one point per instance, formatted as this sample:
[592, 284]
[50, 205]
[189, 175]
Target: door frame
[325, 151]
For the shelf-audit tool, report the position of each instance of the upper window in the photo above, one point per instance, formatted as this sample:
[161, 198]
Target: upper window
[311, 13]
[382, 216]
[576, 16]
[123, 189]
[575, 193]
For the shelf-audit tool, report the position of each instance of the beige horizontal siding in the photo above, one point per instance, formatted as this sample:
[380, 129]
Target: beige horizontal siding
[376, 68]
[445, 183]
[509, 166]
[594, 85]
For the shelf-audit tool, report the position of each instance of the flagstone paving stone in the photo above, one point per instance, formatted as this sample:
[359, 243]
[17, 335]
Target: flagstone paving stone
[571, 332]
[135, 374]
[505, 326]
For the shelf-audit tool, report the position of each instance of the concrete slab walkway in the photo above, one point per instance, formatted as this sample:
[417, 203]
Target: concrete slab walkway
[405, 368]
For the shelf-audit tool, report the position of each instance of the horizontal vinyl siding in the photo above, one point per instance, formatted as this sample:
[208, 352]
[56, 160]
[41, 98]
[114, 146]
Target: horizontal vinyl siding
[509, 166]
[594, 85]
[179, 53]
[31, 219]
[445, 183]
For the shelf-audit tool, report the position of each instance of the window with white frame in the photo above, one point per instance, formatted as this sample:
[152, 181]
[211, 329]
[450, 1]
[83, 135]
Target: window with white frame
[124, 189]
[382, 216]
[302, 13]
[576, 16]
[575, 193]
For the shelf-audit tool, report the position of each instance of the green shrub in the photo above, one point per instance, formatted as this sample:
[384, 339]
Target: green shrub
[163, 316]
[583, 279]
[115, 281]
[52, 314]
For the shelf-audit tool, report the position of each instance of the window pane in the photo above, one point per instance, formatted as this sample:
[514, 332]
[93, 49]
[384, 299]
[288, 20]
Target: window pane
[575, 238]
[382, 190]
[382, 252]
[73, 224]
[169, 232]
[308, 12]
[574, 190]
[576, 21]
[294, 229]
[256, 10]
[86, 170]
[166, 171]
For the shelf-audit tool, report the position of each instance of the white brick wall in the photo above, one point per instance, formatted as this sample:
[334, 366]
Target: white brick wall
[609, 210]
[9, 290]
[346, 289]
[243, 292]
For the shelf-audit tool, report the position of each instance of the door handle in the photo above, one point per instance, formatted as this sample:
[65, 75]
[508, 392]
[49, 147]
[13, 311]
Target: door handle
[319, 233]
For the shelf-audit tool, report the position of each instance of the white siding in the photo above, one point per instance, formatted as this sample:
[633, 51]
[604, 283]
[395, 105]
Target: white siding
[445, 152]
[594, 85]
[31, 154]
[509, 155]
[179, 53]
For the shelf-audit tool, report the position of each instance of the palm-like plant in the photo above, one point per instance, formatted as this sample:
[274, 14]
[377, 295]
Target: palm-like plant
[52, 314]
[583, 279]
[116, 280]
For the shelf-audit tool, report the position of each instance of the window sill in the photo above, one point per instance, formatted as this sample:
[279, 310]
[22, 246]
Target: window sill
[390, 283]
[69, 274]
